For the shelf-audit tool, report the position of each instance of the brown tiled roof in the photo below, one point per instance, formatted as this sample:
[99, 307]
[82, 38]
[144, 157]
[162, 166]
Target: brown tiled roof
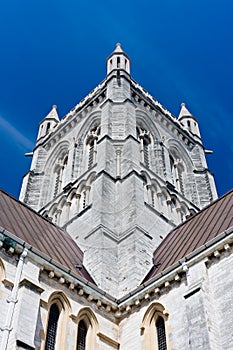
[193, 233]
[41, 234]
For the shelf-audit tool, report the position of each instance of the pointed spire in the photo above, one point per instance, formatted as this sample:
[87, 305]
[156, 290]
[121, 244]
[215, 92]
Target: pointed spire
[188, 121]
[118, 48]
[48, 123]
[118, 60]
[53, 114]
[184, 112]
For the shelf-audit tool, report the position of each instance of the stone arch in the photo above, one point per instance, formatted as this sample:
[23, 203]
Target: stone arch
[156, 194]
[151, 152]
[146, 187]
[165, 203]
[55, 172]
[179, 149]
[52, 211]
[87, 316]
[60, 300]
[86, 140]
[184, 211]
[175, 209]
[93, 120]
[62, 211]
[181, 165]
[72, 203]
[142, 119]
[2, 271]
[155, 312]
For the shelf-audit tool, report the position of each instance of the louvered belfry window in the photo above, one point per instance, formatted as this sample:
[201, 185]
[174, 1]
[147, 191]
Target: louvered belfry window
[52, 327]
[161, 335]
[82, 335]
[91, 155]
[146, 153]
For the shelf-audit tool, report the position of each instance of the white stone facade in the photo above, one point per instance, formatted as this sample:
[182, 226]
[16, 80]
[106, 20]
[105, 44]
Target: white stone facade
[118, 173]
[194, 299]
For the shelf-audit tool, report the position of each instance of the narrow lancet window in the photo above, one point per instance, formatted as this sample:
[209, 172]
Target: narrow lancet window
[161, 334]
[91, 154]
[82, 335]
[52, 327]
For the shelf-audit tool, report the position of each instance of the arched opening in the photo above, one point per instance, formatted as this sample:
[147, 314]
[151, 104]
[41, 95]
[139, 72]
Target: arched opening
[145, 139]
[91, 146]
[87, 330]
[59, 174]
[154, 329]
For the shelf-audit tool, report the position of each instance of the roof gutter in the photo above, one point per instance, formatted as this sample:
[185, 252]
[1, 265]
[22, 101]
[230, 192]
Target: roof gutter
[181, 265]
[52, 264]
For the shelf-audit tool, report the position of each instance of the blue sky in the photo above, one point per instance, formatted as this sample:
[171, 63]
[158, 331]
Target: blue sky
[53, 52]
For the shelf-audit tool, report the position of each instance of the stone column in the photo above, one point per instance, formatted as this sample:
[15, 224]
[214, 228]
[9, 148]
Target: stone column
[78, 196]
[118, 163]
[68, 205]
[149, 194]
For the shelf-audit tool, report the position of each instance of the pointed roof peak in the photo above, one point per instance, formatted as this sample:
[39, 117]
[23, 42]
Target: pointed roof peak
[118, 48]
[53, 114]
[184, 112]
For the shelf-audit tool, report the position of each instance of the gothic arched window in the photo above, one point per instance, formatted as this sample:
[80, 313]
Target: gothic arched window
[177, 170]
[91, 144]
[82, 336]
[161, 334]
[144, 137]
[59, 173]
[154, 328]
[52, 327]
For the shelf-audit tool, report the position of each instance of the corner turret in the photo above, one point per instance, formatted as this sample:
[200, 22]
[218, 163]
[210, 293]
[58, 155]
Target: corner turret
[188, 121]
[48, 123]
[118, 60]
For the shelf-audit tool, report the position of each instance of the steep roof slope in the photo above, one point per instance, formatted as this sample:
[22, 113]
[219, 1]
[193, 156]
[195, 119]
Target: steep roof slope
[41, 234]
[193, 233]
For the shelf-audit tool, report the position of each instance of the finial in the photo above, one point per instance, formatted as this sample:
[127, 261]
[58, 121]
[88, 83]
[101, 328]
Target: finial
[183, 104]
[54, 106]
[118, 44]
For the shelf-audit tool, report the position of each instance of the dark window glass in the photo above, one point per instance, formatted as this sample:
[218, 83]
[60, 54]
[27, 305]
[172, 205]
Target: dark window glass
[82, 335]
[161, 335]
[52, 327]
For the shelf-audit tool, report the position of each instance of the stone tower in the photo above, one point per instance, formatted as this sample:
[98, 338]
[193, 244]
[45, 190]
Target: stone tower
[118, 172]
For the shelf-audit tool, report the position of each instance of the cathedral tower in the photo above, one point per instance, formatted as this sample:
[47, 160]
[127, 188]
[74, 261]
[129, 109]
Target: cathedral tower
[118, 172]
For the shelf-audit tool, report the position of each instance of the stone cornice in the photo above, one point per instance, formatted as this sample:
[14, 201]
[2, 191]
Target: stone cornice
[163, 282]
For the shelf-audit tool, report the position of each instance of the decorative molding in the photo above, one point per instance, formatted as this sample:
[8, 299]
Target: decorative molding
[31, 285]
[109, 340]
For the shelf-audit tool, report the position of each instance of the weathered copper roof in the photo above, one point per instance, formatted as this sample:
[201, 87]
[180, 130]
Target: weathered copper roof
[41, 234]
[193, 233]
